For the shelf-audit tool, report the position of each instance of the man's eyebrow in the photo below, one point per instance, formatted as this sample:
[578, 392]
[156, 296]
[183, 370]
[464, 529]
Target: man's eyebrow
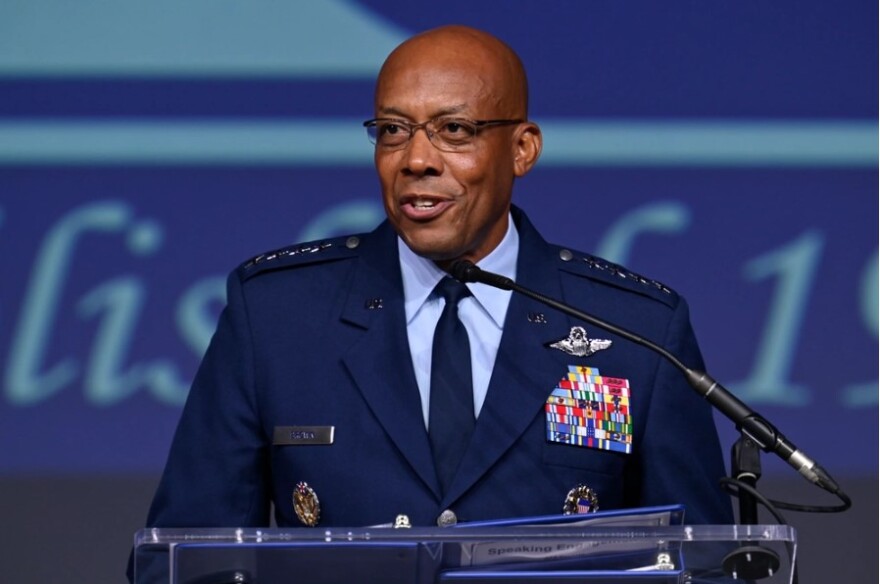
[446, 111]
[391, 111]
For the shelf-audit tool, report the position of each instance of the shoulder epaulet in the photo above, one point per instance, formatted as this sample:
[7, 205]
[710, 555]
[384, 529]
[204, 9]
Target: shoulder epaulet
[608, 272]
[300, 254]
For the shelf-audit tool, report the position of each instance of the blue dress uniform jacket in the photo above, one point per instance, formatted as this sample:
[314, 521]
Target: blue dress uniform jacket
[314, 335]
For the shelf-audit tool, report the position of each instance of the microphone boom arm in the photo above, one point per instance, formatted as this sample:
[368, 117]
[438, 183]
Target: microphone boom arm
[747, 421]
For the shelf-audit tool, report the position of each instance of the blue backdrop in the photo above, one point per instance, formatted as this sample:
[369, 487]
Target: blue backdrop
[726, 149]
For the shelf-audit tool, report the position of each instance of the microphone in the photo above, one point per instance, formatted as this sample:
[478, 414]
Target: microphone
[749, 422]
[466, 271]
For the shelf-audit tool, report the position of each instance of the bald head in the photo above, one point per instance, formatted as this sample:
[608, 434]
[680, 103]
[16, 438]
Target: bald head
[483, 58]
[453, 107]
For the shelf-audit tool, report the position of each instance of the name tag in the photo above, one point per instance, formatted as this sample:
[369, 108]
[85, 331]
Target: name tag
[303, 435]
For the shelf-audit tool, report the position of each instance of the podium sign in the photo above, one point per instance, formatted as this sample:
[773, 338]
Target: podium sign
[541, 554]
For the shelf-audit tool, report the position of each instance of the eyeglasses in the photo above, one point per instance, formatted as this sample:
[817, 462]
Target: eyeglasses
[445, 133]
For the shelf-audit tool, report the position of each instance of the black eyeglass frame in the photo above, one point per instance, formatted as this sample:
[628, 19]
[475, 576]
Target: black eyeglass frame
[412, 127]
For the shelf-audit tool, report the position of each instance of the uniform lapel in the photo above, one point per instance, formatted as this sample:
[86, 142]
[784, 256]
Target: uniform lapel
[379, 360]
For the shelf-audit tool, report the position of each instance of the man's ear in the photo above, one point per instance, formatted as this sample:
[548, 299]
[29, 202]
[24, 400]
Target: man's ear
[527, 148]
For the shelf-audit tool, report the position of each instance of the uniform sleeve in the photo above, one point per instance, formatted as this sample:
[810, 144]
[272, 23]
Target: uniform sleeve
[217, 469]
[681, 460]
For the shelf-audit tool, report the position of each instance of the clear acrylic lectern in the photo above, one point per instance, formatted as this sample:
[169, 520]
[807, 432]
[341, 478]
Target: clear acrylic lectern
[542, 554]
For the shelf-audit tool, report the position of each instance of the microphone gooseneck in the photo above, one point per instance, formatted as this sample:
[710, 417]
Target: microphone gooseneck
[749, 422]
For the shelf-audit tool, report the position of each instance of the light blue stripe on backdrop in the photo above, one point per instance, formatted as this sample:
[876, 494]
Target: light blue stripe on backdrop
[343, 142]
[714, 142]
[337, 39]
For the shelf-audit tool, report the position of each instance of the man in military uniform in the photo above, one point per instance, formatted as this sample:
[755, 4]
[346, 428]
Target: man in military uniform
[315, 395]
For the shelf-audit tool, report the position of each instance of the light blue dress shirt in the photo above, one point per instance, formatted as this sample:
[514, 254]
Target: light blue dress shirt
[482, 314]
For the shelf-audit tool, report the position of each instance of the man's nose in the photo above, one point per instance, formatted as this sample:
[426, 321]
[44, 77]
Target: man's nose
[422, 157]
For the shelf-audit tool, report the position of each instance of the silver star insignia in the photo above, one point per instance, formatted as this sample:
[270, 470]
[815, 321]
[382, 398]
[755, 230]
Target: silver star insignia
[579, 344]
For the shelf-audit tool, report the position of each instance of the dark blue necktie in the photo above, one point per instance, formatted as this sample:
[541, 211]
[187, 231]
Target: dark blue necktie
[451, 415]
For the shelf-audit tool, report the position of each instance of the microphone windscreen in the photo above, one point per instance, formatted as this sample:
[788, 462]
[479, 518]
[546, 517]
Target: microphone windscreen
[464, 271]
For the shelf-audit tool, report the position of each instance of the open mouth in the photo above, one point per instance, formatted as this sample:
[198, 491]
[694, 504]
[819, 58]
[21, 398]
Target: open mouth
[424, 204]
[420, 207]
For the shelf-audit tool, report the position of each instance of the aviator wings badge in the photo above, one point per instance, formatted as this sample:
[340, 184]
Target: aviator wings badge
[579, 345]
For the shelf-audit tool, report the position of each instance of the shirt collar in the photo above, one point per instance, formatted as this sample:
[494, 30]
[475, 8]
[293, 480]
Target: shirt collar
[421, 275]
